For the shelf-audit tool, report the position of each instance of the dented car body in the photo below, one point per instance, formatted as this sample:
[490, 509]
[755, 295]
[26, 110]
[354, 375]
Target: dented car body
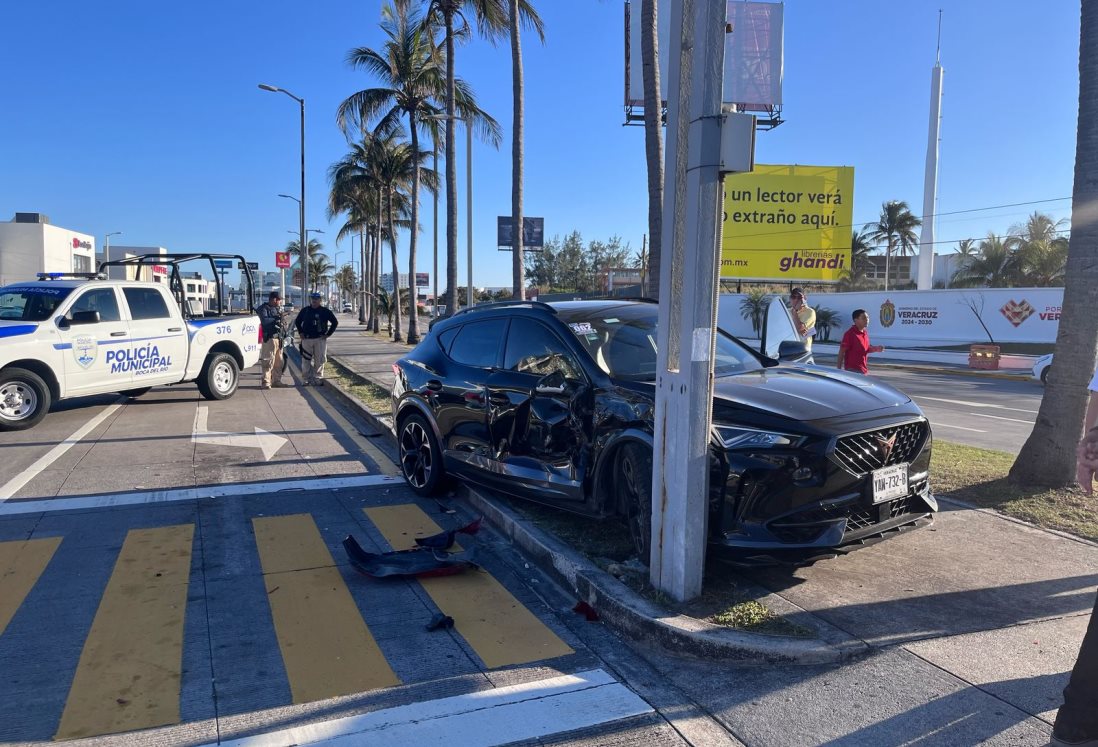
[555, 403]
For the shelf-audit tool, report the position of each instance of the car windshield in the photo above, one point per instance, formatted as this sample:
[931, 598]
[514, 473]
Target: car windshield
[30, 303]
[622, 342]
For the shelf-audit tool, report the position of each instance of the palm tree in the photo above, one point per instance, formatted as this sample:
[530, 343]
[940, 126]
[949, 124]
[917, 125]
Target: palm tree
[896, 226]
[1042, 251]
[491, 19]
[753, 307]
[411, 75]
[826, 319]
[1048, 456]
[319, 266]
[653, 140]
[995, 266]
[854, 277]
[531, 19]
[345, 281]
[293, 248]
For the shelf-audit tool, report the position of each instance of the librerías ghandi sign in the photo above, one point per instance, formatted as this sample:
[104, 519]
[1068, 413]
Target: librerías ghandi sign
[784, 223]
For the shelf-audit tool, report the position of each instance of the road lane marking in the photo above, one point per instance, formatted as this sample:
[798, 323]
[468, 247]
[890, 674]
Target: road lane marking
[326, 647]
[998, 417]
[130, 670]
[496, 625]
[515, 713]
[21, 564]
[973, 404]
[958, 427]
[12, 486]
[110, 500]
[268, 443]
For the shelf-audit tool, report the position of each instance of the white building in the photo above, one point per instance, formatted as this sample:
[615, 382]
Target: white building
[29, 244]
[387, 281]
[156, 273]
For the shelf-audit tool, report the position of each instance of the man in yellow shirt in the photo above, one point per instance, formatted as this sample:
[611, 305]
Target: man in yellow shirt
[804, 315]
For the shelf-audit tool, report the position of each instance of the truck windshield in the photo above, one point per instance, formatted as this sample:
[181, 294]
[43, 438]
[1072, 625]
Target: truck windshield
[30, 303]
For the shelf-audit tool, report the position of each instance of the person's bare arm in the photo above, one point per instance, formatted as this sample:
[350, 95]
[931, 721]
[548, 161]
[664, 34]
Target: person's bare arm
[876, 348]
[842, 357]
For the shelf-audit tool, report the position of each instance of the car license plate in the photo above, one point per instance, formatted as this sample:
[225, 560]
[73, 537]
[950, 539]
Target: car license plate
[889, 482]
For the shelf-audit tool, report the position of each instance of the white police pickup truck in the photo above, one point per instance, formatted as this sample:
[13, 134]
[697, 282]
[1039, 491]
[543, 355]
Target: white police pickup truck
[64, 336]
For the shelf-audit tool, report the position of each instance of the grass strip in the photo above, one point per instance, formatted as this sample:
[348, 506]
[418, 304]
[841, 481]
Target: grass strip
[375, 397]
[979, 476]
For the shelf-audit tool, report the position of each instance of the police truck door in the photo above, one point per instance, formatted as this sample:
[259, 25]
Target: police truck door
[92, 348]
[159, 348]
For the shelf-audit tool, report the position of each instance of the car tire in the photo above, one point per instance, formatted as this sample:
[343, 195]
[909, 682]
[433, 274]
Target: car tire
[135, 392]
[1044, 375]
[633, 480]
[419, 455]
[220, 377]
[24, 399]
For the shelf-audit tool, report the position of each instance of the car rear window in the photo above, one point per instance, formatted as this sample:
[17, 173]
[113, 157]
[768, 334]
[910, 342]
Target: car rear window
[477, 343]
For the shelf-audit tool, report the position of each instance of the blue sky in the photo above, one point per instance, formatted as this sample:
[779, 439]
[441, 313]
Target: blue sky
[146, 118]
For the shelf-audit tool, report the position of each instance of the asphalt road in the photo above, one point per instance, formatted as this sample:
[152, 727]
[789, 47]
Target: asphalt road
[172, 572]
[991, 413]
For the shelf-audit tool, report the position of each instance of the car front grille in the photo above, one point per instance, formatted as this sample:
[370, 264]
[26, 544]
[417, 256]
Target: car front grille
[861, 453]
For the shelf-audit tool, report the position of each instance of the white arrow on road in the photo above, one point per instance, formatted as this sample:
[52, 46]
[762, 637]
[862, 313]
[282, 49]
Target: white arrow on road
[261, 439]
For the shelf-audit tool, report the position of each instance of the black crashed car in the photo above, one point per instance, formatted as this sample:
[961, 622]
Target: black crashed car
[555, 403]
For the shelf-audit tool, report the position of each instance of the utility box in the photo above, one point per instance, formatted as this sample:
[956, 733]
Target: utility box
[983, 357]
[737, 143]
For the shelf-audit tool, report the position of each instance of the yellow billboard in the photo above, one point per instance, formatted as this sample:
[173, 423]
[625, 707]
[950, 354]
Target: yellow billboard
[787, 223]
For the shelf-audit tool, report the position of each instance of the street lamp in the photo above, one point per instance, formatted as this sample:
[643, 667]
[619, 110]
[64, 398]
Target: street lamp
[107, 243]
[468, 200]
[301, 202]
[335, 265]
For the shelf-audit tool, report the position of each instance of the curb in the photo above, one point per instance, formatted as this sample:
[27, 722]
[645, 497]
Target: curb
[636, 617]
[1021, 376]
[622, 608]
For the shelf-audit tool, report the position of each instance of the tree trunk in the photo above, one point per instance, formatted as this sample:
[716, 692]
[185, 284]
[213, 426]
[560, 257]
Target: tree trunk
[451, 175]
[888, 260]
[1048, 456]
[377, 269]
[362, 283]
[398, 336]
[518, 274]
[413, 313]
[653, 141]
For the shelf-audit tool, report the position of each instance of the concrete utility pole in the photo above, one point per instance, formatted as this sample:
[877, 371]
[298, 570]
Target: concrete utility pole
[688, 296]
[930, 181]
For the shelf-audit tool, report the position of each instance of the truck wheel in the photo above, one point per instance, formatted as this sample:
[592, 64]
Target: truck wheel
[135, 392]
[219, 377]
[24, 399]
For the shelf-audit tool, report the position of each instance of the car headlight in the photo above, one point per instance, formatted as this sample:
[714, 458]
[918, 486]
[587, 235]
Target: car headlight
[735, 437]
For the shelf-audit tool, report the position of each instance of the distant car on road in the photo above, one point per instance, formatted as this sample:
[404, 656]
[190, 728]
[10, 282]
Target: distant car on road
[1042, 367]
[347, 308]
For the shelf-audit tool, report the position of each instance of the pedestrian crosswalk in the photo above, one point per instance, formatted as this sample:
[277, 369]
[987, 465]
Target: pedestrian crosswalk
[151, 628]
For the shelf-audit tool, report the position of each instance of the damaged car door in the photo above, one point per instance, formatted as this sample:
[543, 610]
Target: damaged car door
[536, 415]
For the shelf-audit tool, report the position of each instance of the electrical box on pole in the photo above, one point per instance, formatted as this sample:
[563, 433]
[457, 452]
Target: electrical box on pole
[737, 142]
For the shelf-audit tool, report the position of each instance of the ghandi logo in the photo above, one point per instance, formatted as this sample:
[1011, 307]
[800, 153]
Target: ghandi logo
[1017, 312]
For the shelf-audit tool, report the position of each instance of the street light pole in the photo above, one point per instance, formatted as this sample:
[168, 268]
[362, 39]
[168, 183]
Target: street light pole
[301, 202]
[107, 244]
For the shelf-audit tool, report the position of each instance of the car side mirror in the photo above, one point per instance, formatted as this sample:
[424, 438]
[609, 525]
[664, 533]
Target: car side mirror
[792, 350]
[84, 317]
[552, 383]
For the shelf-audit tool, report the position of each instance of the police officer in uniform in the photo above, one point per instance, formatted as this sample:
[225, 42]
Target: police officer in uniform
[272, 321]
[315, 324]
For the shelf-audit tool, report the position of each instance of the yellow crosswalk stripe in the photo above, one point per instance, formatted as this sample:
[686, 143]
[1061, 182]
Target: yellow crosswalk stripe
[497, 626]
[129, 672]
[326, 647]
[21, 563]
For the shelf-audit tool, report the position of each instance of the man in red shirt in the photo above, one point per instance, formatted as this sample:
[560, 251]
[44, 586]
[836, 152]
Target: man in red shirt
[855, 348]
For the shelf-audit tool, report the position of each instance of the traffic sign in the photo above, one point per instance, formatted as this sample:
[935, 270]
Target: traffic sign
[282, 260]
[251, 265]
[223, 264]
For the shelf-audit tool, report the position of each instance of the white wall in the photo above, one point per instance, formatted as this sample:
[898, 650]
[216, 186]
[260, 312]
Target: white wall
[937, 317]
[29, 248]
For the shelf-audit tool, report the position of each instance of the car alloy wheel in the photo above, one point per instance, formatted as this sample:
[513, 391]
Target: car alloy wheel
[17, 400]
[634, 471]
[421, 458]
